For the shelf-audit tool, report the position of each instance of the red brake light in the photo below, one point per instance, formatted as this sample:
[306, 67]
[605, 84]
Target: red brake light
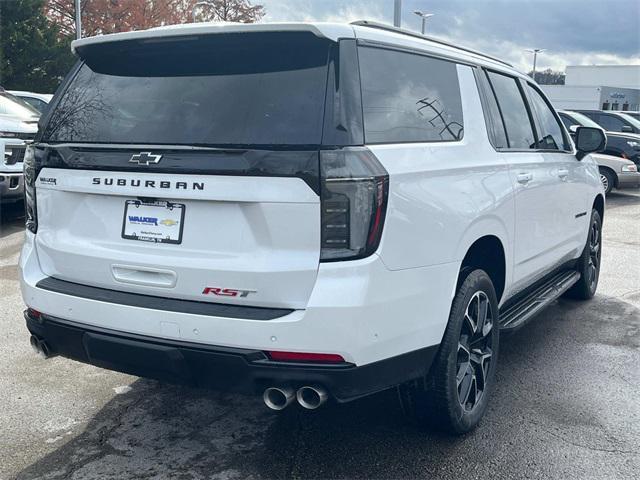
[305, 357]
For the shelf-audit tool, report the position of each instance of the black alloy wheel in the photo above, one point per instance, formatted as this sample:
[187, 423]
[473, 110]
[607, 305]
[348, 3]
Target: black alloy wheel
[474, 351]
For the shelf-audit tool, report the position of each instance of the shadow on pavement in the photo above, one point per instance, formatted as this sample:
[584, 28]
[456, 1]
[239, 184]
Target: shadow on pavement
[11, 218]
[619, 198]
[550, 416]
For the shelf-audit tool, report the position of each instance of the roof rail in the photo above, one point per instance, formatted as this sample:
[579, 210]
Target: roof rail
[402, 31]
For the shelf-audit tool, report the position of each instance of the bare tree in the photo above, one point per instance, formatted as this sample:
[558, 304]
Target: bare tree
[242, 11]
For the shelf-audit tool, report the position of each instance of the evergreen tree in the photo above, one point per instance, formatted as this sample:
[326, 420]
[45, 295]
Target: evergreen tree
[33, 55]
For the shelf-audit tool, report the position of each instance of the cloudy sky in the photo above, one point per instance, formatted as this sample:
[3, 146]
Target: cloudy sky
[574, 32]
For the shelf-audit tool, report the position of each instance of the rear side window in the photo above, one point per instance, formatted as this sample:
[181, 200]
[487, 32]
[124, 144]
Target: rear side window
[550, 136]
[409, 97]
[227, 89]
[514, 112]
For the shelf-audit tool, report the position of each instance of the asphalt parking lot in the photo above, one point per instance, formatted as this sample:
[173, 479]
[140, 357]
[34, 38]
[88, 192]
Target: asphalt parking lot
[566, 404]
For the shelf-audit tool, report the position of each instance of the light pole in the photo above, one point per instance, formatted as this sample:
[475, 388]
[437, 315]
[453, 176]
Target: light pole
[424, 17]
[397, 13]
[535, 52]
[78, 19]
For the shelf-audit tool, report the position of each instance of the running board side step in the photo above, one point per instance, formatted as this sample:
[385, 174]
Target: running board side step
[516, 315]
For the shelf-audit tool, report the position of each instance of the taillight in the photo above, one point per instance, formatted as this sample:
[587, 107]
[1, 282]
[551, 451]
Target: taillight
[30, 174]
[355, 188]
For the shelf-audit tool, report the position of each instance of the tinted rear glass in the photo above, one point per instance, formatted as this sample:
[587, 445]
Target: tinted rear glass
[231, 89]
[408, 97]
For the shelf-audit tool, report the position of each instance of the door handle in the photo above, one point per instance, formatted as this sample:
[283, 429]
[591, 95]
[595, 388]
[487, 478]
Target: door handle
[563, 173]
[524, 178]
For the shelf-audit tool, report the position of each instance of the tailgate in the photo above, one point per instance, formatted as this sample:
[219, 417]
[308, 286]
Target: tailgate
[214, 238]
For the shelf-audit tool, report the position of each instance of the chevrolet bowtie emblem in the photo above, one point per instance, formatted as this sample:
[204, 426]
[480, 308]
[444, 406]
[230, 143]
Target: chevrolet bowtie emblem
[145, 158]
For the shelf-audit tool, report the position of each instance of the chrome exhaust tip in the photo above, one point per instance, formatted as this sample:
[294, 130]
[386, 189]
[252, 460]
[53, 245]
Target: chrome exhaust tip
[278, 398]
[40, 347]
[311, 397]
[35, 344]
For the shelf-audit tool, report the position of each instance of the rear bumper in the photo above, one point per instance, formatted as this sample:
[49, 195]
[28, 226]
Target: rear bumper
[628, 180]
[229, 369]
[359, 310]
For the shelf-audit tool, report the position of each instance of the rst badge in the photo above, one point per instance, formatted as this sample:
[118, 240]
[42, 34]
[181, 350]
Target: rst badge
[227, 292]
[145, 158]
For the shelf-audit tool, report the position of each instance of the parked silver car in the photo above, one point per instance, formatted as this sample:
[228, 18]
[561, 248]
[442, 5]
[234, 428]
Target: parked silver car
[616, 172]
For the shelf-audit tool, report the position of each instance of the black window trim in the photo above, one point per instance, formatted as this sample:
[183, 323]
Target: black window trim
[485, 89]
[399, 48]
[528, 108]
[417, 51]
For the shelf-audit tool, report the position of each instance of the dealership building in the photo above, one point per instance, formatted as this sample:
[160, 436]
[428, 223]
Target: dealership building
[597, 87]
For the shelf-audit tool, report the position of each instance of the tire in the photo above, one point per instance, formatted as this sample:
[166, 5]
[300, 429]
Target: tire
[455, 393]
[607, 179]
[589, 262]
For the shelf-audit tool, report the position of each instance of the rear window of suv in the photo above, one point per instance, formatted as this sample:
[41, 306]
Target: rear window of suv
[409, 97]
[229, 89]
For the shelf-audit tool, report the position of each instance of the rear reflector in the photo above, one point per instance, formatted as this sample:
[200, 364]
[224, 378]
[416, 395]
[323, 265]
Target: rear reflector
[35, 314]
[305, 357]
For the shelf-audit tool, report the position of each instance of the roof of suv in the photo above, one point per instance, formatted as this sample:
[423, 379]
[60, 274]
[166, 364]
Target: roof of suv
[363, 30]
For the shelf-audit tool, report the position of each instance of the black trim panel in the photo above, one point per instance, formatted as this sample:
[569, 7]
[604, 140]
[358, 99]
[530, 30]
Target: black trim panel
[221, 368]
[239, 161]
[161, 303]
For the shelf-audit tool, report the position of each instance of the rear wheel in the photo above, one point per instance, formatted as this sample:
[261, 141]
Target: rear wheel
[455, 393]
[607, 179]
[589, 262]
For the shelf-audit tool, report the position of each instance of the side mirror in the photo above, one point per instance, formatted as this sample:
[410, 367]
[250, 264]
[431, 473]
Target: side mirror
[589, 140]
[627, 129]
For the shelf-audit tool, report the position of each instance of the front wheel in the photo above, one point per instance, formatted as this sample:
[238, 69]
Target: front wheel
[455, 393]
[589, 262]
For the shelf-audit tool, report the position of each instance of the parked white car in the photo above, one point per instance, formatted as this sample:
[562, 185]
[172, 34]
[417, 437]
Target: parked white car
[337, 210]
[18, 126]
[39, 101]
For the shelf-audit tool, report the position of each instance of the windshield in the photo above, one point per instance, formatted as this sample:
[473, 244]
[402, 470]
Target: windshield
[631, 120]
[16, 107]
[583, 120]
[228, 89]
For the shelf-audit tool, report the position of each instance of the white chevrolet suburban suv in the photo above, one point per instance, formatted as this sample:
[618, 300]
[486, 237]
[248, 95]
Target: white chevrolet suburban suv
[303, 211]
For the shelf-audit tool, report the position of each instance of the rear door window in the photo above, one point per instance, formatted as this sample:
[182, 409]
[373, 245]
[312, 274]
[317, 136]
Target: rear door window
[550, 136]
[222, 89]
[409, 97]
[516, 118]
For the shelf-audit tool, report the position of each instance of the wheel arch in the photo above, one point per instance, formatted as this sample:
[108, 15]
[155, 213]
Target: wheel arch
[612, 172]
[598, 205]
[487, 253]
